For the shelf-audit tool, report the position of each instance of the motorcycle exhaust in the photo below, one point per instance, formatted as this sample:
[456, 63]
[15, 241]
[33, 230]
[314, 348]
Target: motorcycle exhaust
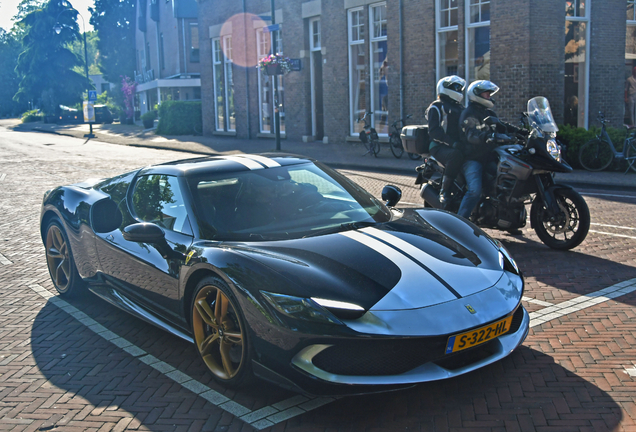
[430, 195]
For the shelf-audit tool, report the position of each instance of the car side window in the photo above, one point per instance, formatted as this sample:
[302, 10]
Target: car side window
[158, 199]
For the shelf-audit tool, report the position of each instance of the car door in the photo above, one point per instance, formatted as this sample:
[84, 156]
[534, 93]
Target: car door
[146, 271]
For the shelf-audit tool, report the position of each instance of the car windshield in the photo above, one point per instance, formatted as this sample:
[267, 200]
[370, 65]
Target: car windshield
[281, 203]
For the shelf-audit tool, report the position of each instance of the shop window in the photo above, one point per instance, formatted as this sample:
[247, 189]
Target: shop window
[223, 84]
[478, 40]
[380, 69]
[576, 63]
[630, 65]
[447, 35]
[266, 84]
[357, 69]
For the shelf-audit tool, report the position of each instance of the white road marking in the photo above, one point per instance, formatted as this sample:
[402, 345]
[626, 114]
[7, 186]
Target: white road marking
[612, 234]
[608, 195]
[535, 301]
[4, 260]
[2, 177]
[579, 303]
[259, 419]
[612, 226]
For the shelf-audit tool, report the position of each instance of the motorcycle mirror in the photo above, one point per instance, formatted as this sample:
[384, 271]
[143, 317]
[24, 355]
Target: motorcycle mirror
[391, 195]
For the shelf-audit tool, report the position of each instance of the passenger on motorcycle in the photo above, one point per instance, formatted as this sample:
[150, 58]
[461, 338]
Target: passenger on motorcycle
[478, 139]
[443, 130]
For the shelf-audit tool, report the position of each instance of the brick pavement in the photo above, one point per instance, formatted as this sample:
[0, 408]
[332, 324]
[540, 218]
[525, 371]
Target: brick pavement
[572, 373]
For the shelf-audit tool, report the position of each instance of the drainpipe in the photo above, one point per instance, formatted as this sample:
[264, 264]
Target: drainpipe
[401, 41]
[247, 75]
[185, 58]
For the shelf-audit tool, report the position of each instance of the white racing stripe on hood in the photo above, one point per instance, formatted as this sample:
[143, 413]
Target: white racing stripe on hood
[269, 163]
[416, 288]
[466, 280]
[249, 163]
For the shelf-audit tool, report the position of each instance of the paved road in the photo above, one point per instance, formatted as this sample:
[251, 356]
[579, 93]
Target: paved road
[84, 365]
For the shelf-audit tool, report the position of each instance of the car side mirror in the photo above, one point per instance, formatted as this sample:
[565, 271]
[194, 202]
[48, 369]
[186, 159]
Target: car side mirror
[144, 233]
[391, 195]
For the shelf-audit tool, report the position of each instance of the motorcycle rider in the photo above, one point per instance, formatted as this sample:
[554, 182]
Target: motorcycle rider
[443, 130]
[478, 139]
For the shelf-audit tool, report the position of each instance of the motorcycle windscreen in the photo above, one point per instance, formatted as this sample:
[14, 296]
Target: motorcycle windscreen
[540, 115]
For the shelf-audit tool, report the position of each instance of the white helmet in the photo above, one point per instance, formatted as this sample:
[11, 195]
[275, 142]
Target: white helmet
[476, 88]
[451, 86]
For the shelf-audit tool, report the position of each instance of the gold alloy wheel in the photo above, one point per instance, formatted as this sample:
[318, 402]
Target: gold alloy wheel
[218, 333]
[58, 258]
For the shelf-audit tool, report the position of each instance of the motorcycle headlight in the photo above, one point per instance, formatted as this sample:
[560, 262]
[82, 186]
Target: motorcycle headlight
[554, 150]
[313, 309]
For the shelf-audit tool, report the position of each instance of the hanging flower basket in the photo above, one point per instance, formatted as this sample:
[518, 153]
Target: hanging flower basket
[274, 64]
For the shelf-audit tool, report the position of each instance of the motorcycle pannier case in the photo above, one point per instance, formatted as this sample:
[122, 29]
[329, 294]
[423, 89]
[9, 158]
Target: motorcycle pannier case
[415, 139]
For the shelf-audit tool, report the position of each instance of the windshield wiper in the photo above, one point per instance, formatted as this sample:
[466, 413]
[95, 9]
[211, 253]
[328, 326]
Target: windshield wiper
[349, 226]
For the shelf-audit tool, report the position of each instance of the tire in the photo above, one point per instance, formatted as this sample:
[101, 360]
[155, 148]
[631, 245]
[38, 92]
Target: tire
[220, 333]
[630, 154]
[414, 156]
[396, 146]
[596, 155]
[570, 227]
[59, 260]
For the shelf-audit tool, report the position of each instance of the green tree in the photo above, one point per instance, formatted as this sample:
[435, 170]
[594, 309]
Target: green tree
[77, 47]
[46, 64]
[10, 48]
[114, 21]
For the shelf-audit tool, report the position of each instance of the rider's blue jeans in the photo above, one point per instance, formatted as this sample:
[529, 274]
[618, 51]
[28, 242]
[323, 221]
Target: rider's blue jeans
[472, 172]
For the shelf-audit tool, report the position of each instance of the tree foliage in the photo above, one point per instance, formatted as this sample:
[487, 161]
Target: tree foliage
[114, 21]
[10, 48]
[46, 64]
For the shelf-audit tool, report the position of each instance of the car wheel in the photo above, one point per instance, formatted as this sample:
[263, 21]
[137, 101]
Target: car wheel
[59, 260]
[220, 332]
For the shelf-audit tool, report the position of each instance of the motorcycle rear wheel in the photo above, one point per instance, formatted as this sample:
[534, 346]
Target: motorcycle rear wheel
[566, 230]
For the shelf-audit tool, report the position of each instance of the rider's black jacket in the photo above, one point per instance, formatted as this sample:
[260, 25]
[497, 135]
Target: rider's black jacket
[475, 135]
[448, 133]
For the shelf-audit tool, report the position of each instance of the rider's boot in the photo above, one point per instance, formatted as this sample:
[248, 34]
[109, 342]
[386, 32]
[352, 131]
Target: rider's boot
[444, 193]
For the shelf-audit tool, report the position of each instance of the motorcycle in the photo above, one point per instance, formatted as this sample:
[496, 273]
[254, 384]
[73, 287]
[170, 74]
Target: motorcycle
[521, 172]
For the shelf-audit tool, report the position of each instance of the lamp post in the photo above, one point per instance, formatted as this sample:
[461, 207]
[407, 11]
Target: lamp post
[58, 29]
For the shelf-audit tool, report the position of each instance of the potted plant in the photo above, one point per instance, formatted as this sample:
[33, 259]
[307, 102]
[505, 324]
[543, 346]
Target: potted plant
[274, 64]
[148, 119]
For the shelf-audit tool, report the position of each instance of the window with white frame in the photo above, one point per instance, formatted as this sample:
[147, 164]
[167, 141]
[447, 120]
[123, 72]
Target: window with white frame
[630, 64]
[577, 36]
[447, 36]
[266, 84]
[477, 40]
[379, 68]
[314, 42]
[223, 84]
[194, 42]
[357, 69]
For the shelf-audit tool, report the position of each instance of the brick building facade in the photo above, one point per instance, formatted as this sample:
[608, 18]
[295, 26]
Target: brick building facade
[386, 57]
[167, 42]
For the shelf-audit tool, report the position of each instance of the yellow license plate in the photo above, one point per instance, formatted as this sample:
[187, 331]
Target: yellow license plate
[478, 336]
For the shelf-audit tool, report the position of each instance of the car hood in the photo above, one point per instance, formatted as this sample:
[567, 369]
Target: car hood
[424, 258]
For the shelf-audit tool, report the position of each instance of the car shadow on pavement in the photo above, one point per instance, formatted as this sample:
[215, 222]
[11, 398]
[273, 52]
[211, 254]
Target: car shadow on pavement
[527, 388]
[525, 391]
[99, 373]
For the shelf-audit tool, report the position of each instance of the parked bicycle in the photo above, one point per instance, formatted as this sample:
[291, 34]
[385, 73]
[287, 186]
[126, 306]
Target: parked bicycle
[395, 141]
[369, 136]
[599, 152]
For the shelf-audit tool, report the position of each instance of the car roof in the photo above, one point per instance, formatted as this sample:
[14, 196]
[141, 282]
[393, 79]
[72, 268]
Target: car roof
[225, 163]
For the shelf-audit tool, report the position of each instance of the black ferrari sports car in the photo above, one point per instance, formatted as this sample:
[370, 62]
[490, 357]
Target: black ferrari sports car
[279, 267]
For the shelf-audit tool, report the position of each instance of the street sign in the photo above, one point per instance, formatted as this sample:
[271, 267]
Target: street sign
[295, 65]
[271, 28]
[92, 95]
[89, 112]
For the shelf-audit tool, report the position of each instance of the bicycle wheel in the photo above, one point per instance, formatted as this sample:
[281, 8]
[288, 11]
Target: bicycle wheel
[396, 146]
[596, 155]
[630, 154]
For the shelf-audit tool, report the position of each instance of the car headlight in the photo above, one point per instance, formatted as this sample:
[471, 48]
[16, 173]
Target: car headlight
[553, 149]
[313, 309]
[507, 262]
